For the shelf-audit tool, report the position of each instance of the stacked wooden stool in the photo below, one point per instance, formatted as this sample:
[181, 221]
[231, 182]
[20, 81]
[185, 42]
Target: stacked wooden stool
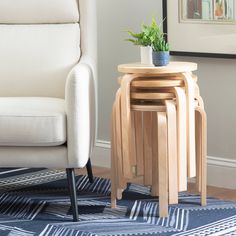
[159, 131]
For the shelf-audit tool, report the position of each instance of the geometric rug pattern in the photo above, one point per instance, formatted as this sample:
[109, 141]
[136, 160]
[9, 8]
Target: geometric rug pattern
[36, 202]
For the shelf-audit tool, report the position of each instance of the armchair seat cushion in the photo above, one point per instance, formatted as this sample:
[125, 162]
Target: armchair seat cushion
[32, 121]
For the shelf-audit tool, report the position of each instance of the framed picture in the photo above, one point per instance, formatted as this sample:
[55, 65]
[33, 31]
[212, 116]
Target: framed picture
[205, 28]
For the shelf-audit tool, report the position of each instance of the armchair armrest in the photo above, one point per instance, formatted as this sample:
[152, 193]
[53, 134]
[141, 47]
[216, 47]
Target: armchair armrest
[81, 114]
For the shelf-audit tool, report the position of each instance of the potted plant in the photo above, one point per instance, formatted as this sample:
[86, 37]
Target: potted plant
[160, 53]
[143, 40]
[154, 48]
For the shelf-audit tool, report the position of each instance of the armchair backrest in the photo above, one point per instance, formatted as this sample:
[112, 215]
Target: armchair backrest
[40, 42]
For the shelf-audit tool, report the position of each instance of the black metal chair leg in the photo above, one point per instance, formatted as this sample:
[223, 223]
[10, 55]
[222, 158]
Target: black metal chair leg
[73, 197]
[89, 171]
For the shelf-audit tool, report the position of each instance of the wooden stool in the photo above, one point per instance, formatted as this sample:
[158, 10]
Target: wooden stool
[161, 99]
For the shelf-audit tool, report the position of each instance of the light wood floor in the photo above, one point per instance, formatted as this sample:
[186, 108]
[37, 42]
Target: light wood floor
[221, 193]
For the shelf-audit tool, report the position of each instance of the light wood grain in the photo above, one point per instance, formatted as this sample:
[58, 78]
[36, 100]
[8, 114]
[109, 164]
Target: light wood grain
[147, 146]
[172, 152]
[195, 78]
[155, 178]
[162, 164]
[203, 138]
[191, 152]
[148, 108]
[133, 143]
[157, 83]
[198, 136]
[151, 96]
[199, 101]
[196, 90]
[126, 124]
[139, 143]
[113, 159]
[171, 94]
[181, 138]
[172, 67]
[198, 151]
[118, 143]
[155, 77]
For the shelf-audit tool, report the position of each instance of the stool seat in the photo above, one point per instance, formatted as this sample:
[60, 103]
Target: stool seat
[172, 68]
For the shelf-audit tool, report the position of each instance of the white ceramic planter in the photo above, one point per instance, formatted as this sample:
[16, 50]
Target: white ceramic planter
[146, 55]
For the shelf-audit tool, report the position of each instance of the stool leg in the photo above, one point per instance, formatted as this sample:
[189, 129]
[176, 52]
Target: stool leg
[204, 161]
[181, 138]
[133, 153]
[198, 134]
[139, 142]
[119, 143]
[202, 124]
[154, 155]
[126, 123]
[113, 160]
[162, 164]
[147, 145]
[191, 153]
[172, 151]
[198, 151]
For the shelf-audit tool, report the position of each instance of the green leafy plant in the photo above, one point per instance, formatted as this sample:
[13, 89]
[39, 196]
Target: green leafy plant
[150, 35]
[158, 38]
[155, 31]
[142, 38]
[160, 45]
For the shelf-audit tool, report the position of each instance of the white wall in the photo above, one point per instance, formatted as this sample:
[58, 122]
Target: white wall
[217, 81]
[114, 17]
[217, 77]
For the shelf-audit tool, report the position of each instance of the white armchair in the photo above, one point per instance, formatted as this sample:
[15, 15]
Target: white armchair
[47, 85]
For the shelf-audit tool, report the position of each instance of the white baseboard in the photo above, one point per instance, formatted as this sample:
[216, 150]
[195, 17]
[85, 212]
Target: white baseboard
[221, 171]
[102, 154]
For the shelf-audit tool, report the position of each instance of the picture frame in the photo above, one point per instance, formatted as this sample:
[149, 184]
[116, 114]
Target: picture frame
[213, 35]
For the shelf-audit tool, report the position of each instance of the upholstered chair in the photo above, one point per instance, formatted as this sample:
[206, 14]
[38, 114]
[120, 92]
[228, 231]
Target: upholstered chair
[47, 85]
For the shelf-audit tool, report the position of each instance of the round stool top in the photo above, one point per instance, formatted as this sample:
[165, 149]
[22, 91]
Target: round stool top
[171, 68]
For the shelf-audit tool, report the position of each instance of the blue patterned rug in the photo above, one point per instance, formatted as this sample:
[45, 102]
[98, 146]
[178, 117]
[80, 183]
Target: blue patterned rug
[36, 202]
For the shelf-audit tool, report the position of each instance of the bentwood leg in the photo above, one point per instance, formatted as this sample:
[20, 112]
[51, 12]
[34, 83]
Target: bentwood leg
[162, 164]
[114, 167]
[181, 138]
[72, 188]
[198, 151]
[203, 153]
[172, 151]
[191, 152]
[204, 160]
[89, 171]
